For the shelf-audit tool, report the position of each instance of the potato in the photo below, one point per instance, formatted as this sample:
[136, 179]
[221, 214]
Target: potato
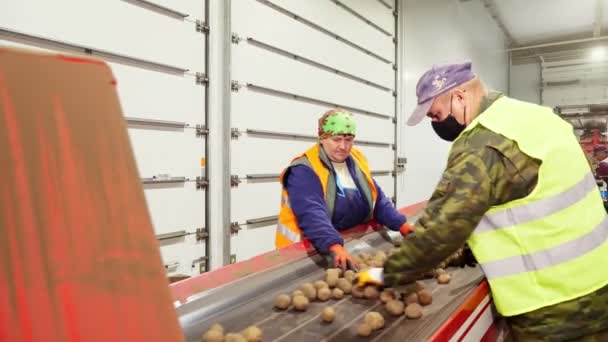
[328, 314]
[297, 293]
[443, 278]
[350, 275]
[344, 285]
[395, 307]
[358, 292]
[337, 293]
[375, 320]
[411, 298]
[387, 295]
[370, 292]
[324, 294]
[413, 311]
[425, 297]
[309, 291]
[252, 334]
[282, 301]
[300, 303]
[213, 336]
[218, 327]
[319, 284]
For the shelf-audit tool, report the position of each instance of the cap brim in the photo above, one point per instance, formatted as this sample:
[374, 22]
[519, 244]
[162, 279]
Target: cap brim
[419, 113]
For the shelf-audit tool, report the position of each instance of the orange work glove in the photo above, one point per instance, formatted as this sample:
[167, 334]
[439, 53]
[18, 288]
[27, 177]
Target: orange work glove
[406, 229]
[340, 258]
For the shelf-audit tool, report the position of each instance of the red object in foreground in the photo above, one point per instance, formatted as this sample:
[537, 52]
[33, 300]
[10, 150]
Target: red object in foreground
[78, 257]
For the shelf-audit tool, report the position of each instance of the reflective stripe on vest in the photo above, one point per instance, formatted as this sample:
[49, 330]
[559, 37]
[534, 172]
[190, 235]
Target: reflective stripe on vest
[548, 257]
[538, 209]
[286, 232]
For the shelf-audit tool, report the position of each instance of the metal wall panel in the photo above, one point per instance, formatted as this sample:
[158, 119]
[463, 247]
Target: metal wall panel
[333, 17]
[574, 82]
[317, 46]
[154, 51]
[293, 60]
[274, 71]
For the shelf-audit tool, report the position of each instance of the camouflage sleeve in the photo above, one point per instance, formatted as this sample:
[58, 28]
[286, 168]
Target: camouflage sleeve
[461, 198]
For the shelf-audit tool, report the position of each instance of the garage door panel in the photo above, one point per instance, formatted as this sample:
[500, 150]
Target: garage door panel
[134, 31]
[251, 110]
[252, 242]
[386, 184]
[175, 207]
[271, 155]
[335, 19]
[182, 256]
[375, 12]
[268, 198]
[310, 43]
[278, 72]
[159, 96]
[194, 8]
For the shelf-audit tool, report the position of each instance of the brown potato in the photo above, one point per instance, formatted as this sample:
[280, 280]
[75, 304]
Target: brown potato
[337, 293]
[300, 303]
[319, 284]
[443, 278]
[282, 301]
[395, 307]
[297, 293]
[411, 298]
[213, 336]
[252, 334]
[350, 275]
[413, 311]
[309, 291]
[425, 297]
[328, 314]
[344, 285]
[375, 320]
[324, 294]
[218, 327]
[370, 292]
[358, 292]
[387, 295]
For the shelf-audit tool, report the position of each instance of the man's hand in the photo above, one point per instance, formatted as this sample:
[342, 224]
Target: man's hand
[406, 229]
[371, 276]
[340, 258]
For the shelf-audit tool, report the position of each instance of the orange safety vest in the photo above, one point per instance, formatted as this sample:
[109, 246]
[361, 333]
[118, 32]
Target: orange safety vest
[288, 232]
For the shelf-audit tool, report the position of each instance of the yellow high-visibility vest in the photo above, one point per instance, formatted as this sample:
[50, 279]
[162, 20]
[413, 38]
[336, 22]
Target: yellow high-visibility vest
[550, 246]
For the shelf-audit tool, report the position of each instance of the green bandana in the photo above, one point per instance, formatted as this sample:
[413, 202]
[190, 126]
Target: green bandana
[336, 122]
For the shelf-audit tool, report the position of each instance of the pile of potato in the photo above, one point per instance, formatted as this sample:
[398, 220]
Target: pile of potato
[338, 284]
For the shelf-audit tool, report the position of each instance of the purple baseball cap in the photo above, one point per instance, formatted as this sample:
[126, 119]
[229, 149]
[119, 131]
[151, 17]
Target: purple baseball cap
[435, 82]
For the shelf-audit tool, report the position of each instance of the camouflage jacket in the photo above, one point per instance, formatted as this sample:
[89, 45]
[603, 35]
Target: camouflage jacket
[484, 169]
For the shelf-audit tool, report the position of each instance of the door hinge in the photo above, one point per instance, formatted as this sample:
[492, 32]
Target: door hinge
[234, 180]
[201, 130]
[202, 27]
[236, 38]
[201, 79]
[235, 86]
[235, 133]
[201, 234]
[234, 228]
[201, 183]
[203, 264]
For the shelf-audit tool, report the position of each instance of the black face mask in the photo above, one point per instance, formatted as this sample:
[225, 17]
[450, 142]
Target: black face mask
[449, 129]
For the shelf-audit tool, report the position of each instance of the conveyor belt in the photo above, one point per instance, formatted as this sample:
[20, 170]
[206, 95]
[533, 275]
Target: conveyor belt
[249, 301]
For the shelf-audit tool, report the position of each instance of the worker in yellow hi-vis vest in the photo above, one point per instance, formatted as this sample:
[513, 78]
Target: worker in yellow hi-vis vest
[518, 189]
[330, 188]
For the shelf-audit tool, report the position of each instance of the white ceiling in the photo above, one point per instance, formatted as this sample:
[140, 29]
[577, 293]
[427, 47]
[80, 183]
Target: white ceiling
[539, 21]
